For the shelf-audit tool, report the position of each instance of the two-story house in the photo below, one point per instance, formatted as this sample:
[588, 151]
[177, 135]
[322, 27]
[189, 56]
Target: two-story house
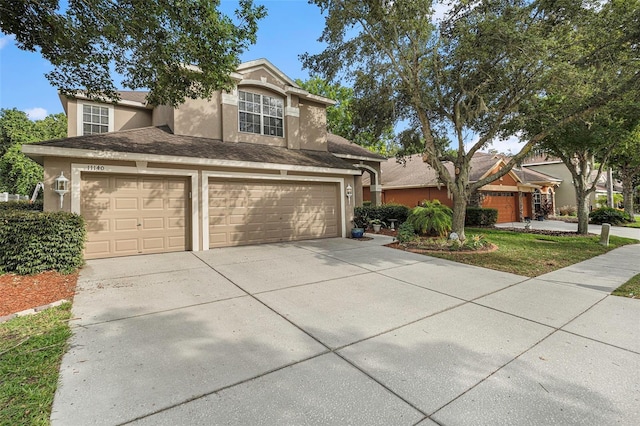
[253, 165]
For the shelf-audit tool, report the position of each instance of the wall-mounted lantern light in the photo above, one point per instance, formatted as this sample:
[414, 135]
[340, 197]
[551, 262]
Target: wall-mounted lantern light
[61, 186]
[349, 192]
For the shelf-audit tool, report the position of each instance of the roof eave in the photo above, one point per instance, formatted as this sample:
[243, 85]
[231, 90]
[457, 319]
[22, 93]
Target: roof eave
[38, 152]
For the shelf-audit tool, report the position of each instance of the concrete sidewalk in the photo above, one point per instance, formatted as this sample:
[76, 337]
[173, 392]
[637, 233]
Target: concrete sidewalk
[340, 331]
[558, 225]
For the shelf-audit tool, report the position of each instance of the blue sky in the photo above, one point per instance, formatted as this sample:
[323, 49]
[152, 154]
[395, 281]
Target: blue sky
[291, 28]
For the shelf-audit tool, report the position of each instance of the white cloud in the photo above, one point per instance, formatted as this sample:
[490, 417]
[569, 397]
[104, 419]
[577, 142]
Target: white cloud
[6, 40]
[36, 113]
[513, 145]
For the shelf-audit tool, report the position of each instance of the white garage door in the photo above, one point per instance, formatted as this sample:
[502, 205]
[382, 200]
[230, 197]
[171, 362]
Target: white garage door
[128, 215]
[242, 212]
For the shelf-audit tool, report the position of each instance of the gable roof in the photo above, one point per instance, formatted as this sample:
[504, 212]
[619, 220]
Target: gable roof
[344, 148]
[415, 173]
[161, 145]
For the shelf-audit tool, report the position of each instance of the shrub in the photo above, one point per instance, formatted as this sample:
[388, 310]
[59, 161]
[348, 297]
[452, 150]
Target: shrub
[34, 242]
[406, 233]
[609, 215]
[432, 217]
[383, 212]
[477, 216]
[568, 210]
[21, 205]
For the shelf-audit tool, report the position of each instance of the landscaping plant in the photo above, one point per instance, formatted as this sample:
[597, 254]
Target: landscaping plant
[609, 215]
[431, 218]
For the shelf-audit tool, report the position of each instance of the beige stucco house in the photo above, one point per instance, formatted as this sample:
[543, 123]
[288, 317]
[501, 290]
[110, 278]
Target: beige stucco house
[253, 165]
[565, 194]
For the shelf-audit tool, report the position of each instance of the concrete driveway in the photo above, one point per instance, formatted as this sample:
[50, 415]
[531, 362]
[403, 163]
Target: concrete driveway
[347, 332]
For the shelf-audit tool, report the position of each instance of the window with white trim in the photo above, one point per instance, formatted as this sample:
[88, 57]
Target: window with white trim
[94, 118]
[260, 114]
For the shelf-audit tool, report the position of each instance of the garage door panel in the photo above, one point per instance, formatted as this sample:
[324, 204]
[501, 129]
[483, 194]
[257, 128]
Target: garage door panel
[126, 204]
[122, 184]
[153, 223]
[259, 212]
[126, 245]
[148, 215]
[125, 224]
[152, 204]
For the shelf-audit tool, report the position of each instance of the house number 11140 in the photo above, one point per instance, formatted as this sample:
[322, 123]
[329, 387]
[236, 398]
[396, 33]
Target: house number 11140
[95, 168]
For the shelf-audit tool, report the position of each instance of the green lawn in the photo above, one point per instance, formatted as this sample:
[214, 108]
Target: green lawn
[635, 224]
[532, 254]
[31, 348]
[629, 289]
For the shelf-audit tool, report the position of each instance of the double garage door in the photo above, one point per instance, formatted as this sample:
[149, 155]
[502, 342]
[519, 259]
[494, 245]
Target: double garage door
[128, 215]
[246, 212]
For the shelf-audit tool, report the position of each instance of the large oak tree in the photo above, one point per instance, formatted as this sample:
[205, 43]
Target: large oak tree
[175, 49]
[477, 75]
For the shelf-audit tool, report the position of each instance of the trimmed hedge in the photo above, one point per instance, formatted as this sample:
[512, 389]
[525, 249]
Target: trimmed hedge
[477, 216]
[34, 242]
[383, 212]
[21, 205]
[609, 215]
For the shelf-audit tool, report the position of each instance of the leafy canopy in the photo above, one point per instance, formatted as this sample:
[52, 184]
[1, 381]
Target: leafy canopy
[19, 174]
[479, 74]
[154, 44]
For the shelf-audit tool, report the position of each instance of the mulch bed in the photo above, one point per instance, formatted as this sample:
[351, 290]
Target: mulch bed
[423, 250]
[20, 292]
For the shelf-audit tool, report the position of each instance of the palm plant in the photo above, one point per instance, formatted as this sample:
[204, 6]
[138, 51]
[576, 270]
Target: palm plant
[432, 218]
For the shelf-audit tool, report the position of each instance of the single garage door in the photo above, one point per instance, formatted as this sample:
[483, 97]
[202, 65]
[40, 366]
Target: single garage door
[128, 215]
[242, 212]
[505, 202]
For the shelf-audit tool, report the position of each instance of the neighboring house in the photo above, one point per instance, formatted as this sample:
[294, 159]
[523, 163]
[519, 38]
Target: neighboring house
[254, 165]
[517, 195]
[565, 194]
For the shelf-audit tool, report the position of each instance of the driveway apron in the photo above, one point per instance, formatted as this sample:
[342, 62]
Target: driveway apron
[339, 331]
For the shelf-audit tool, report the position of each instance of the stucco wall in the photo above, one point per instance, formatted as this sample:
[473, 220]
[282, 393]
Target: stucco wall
[313, 126]
[124, 117]
[565, 194]
[199, 117]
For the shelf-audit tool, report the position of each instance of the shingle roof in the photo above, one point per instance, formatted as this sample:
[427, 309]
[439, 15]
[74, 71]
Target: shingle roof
[341, 146]
[416, 173]
[529, 175]
[161, 141]
[133, 95]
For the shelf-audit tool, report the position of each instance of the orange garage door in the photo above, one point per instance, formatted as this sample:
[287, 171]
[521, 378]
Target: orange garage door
[505, 202]
[128, 215]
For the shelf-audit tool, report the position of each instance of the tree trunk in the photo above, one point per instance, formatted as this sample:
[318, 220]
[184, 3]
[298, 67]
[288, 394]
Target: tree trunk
[627, 193]
[459, 214]
[582, 200]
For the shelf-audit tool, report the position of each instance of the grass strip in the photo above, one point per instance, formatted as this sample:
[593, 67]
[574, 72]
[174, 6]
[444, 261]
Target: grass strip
[629, 289]
[31, 348]
[531, 254]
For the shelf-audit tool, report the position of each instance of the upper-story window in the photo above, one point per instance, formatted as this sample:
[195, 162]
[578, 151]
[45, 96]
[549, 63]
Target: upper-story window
[261, 114]
[94, 119]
